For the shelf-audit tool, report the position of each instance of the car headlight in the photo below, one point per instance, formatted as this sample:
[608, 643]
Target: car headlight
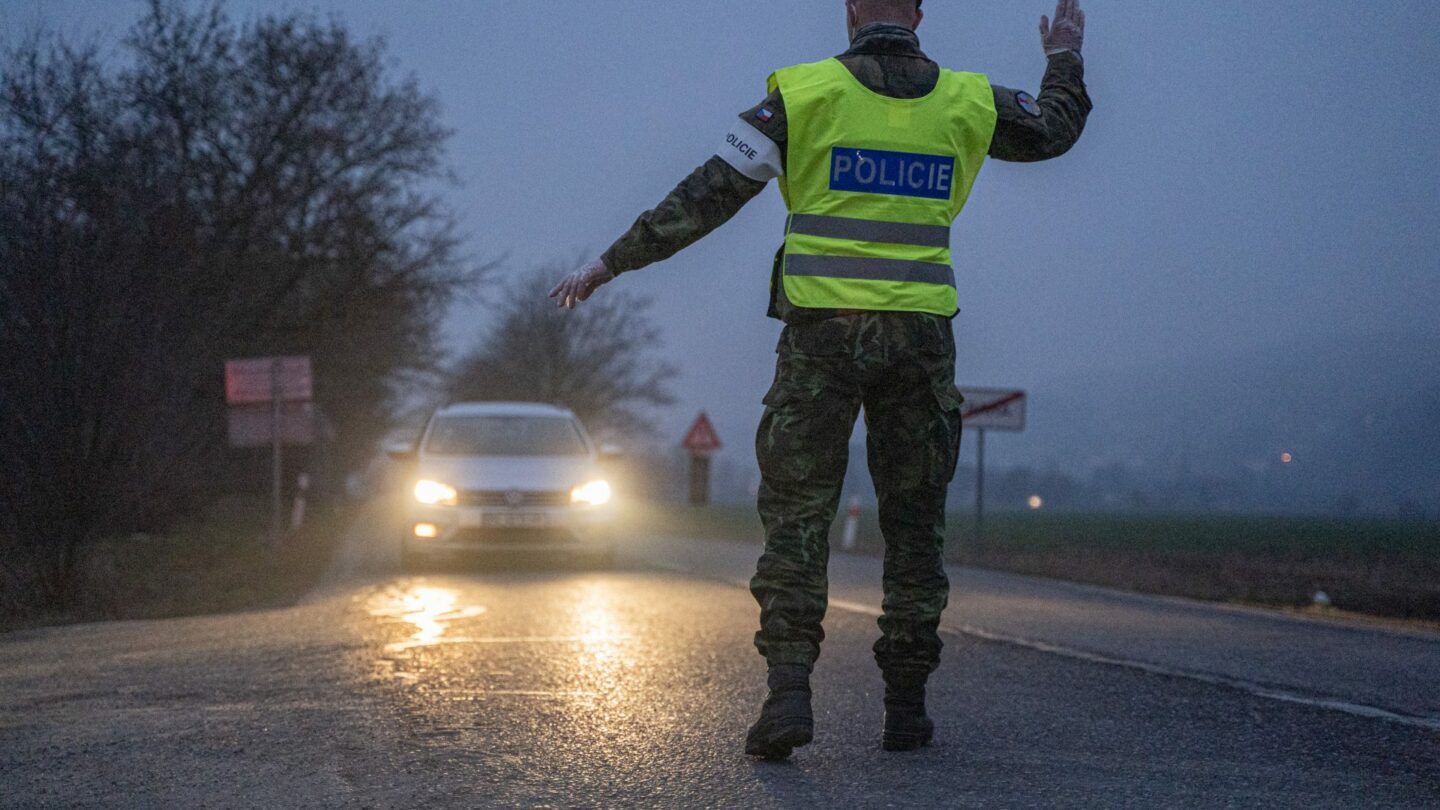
[434, 493]
[595, 493]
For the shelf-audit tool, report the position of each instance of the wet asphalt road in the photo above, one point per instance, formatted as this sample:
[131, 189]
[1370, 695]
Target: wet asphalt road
[546, 687]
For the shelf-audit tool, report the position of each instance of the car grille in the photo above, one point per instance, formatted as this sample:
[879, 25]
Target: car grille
[514, 498]
[514, 537]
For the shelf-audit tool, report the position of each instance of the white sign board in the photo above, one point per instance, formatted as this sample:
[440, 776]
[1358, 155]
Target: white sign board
[253, 425]
[993, 409]
[248, 382]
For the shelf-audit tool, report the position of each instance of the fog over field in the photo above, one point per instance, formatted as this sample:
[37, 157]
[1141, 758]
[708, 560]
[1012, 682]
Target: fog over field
[1239, 259]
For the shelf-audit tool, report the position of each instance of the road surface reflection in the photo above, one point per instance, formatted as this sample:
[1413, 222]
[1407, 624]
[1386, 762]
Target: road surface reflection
[581, 650]
[429, 608]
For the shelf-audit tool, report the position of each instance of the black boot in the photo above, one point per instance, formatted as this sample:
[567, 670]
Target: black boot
[786, 722]
[907, 727]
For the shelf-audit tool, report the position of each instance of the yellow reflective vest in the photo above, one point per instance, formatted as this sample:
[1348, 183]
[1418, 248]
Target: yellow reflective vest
[873, 184]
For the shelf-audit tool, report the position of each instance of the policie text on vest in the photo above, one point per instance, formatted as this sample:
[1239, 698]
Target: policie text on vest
[875, 171]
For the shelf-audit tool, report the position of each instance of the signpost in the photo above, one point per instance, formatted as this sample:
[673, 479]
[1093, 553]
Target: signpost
[270, 403]
[985, 409]
[701, 441]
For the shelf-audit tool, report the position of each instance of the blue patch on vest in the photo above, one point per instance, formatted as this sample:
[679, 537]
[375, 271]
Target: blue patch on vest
[875, 171]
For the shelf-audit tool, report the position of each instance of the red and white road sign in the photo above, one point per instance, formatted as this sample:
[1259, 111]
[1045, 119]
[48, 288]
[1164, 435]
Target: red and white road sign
[993, 409]
[701, 438]
[248, 382]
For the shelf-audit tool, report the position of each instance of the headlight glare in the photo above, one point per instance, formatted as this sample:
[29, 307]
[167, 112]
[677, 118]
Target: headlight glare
[594, 493]
[434, 493]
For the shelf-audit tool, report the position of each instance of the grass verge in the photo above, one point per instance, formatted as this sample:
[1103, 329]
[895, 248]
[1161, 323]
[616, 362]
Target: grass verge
[1385, 568]
[217, 560]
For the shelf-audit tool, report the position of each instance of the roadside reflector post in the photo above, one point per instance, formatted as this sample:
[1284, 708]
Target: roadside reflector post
[701, 441]
[297, 511]
[852, 523]
[980, 488]
[277, 465]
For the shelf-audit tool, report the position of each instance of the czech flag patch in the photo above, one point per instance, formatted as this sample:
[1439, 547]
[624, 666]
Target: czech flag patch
[1028, 104]
[763, 115]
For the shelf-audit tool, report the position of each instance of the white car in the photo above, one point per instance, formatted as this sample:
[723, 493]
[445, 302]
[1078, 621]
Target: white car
[497, 476]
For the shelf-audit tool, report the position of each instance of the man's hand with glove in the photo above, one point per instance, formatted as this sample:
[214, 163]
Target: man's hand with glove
[1068, 32]
[581, 284]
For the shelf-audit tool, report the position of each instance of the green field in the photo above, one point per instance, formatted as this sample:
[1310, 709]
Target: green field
[1381, 567]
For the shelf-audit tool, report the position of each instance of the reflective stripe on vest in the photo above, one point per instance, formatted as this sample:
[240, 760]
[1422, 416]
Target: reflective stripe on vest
[855, 267]
[873, 184]
[869, 230]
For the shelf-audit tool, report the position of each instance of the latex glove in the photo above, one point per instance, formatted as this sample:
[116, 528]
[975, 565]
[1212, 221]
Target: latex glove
[581, 284]
[1068, 32]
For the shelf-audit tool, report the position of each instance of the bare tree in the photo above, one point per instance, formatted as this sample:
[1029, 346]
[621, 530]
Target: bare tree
[230, 191]
[599, 360]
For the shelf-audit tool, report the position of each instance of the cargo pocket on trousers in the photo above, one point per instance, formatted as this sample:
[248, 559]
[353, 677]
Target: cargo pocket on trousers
[783, 444]
[948, 397]
[777, 395]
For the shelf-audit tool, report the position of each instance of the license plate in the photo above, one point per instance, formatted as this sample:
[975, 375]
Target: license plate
[515, 520]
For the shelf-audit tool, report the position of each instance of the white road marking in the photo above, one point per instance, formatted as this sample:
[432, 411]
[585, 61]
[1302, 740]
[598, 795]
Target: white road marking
[530, 693]
[402, 646]
[1256, 689]
[1249, 687]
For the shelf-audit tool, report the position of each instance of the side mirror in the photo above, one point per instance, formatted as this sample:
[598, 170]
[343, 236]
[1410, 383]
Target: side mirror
[611, 452]
[401, 451]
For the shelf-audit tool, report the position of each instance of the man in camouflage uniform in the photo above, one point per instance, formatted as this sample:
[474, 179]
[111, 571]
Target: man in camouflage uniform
[899, 365]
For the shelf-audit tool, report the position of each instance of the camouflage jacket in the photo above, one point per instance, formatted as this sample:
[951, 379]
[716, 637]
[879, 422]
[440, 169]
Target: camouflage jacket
[888, 60]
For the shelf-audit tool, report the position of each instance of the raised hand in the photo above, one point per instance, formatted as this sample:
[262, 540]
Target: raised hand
[1068, 32]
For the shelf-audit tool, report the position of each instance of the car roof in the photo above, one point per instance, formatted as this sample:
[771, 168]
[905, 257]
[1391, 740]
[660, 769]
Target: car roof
[503, 409]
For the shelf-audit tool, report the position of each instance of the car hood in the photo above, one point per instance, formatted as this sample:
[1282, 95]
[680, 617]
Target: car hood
[527, 473]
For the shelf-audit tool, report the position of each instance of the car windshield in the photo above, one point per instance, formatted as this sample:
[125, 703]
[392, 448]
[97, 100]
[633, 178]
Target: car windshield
[505, 436]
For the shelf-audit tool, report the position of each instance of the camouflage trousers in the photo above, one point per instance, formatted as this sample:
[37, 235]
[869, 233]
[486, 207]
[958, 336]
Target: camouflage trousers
[901, 368]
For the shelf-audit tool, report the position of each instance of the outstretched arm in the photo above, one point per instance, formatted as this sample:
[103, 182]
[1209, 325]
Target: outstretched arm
[702, 202]
[1030, 129]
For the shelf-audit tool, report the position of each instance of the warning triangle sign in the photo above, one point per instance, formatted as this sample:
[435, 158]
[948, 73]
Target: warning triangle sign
[701, 437]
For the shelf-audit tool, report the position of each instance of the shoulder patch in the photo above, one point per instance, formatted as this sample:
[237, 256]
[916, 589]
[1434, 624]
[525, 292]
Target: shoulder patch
[1028, 103]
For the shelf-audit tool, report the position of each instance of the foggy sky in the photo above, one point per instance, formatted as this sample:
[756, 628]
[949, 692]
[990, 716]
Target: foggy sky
[1255, 175]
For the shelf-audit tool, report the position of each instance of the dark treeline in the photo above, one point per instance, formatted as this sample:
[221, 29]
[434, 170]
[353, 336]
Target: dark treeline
[220, 191]
[599, 360]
